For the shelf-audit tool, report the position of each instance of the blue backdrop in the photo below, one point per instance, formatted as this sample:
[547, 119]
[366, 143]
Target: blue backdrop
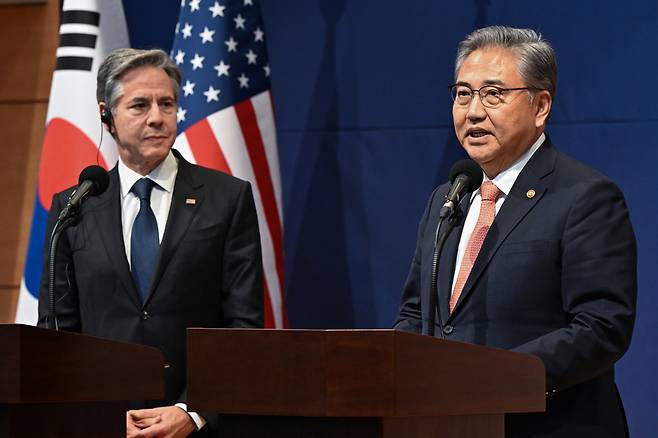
[365, 134]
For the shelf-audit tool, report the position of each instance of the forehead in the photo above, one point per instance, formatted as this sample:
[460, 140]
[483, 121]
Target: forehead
[493, 65]
[146, 80]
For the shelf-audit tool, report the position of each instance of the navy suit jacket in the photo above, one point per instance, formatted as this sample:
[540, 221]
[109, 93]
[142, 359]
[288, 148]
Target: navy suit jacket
[209, 272]
[556, 278]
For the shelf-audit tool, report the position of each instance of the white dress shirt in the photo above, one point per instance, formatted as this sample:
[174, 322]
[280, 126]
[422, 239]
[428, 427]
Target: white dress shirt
[165, 178]
[504, 181]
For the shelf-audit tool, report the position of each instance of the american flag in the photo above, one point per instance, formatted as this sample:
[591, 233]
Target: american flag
[226, 118]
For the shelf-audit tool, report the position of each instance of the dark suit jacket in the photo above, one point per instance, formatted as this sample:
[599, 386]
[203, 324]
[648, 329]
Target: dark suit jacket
[209, 273]
[556, 278]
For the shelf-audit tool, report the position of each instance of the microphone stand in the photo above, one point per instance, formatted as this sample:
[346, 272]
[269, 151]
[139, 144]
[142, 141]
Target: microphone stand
[441, 236]
[61, 224]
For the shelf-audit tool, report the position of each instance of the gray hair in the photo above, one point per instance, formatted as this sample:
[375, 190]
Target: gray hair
[536, 57]
[120, 61]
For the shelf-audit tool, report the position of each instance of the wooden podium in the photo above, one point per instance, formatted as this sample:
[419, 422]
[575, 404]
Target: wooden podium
[60, 384]
[356, 383]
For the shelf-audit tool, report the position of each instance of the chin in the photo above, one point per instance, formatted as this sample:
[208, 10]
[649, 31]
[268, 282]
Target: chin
[478, 153]
[157, 149]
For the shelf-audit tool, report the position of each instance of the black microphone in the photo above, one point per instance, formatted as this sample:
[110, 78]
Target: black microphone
[465, 177]
[92, 182]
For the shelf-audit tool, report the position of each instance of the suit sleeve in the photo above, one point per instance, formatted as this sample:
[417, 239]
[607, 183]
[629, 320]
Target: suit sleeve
[410, 317]
[66, 293]
[598, 264]
[242, 269]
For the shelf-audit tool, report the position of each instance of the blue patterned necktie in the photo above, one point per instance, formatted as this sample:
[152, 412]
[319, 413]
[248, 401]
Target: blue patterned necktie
[144, 241]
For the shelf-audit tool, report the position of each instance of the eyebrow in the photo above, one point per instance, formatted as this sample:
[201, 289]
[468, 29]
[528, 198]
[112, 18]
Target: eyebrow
[494, 82]
[486, 82]
[140, 99]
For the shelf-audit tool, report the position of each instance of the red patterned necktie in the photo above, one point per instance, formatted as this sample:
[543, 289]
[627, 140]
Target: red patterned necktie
[490, 194]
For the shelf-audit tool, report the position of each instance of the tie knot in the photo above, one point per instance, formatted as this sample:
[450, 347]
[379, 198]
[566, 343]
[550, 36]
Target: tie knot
[142, 188]
[489, 191]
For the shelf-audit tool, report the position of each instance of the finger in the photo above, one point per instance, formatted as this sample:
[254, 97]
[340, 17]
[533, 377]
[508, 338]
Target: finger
[146, 422]
[138, 414]
[135, 433]
[130, 425]
[157, 430]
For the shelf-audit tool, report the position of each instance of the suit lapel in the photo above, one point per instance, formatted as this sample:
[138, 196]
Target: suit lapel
[107, 214]
[526, 192]
[185, 202]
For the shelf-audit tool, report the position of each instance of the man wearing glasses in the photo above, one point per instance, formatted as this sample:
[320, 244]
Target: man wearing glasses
[543, 257]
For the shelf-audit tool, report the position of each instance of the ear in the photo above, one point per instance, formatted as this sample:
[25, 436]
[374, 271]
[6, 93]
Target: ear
[106, 117]
[543, 102]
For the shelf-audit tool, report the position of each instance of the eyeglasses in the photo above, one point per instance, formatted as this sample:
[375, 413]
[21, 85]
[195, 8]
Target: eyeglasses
[490, 95]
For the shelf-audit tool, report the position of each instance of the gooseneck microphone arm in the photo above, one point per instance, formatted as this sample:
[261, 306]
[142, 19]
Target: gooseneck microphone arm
[60, 226]
[465, 176]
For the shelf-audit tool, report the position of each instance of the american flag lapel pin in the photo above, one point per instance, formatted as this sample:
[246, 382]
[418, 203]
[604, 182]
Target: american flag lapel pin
[190, 201]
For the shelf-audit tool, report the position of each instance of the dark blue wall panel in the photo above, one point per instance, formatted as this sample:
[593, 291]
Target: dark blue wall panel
[365, 133]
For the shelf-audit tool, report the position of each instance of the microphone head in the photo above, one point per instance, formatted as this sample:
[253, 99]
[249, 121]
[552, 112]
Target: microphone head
[471, 170]
[98, 176]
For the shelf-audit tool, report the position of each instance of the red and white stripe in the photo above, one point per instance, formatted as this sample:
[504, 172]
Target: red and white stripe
[241, 141]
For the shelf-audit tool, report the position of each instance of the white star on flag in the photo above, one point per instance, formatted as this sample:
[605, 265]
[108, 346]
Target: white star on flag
[239, 22]
[258, 34]
[222, 69]
[251, 57]
[211, 94]
[267, 70]
[206, 35]
[187, 30]
[180, 115]
[194, 5]
[244, 81]
[232, 45]
[180, 57]
[197, 61]
[248, 3]
[217, 10]
[188, 88]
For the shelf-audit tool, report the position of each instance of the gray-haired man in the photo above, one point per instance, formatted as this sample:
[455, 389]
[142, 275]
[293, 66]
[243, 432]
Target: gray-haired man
[543, 259]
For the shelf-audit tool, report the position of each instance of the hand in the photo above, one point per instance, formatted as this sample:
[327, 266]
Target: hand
[165, 422]
[131, 427]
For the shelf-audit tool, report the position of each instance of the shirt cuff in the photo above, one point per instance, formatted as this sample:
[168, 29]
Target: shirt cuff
[198, 419]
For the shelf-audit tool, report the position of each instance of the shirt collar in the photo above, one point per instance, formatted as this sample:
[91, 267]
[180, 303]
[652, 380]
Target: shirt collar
[164, 175]
[506, 179]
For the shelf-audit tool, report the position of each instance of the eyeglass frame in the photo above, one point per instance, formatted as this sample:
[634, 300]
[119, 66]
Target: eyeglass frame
[502, 90]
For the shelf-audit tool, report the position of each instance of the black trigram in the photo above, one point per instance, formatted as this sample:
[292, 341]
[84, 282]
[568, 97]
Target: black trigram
[77, 40]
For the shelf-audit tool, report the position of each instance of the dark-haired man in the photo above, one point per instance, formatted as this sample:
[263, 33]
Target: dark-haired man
[168, 246]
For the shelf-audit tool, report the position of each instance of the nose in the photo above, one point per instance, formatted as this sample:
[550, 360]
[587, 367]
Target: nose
[155, 115]
[476, 110]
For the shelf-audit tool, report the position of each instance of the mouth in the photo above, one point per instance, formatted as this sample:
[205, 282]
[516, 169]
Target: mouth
[477, 133]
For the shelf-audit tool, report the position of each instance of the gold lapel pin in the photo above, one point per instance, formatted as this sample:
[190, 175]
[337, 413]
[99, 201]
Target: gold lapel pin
[530, 193]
